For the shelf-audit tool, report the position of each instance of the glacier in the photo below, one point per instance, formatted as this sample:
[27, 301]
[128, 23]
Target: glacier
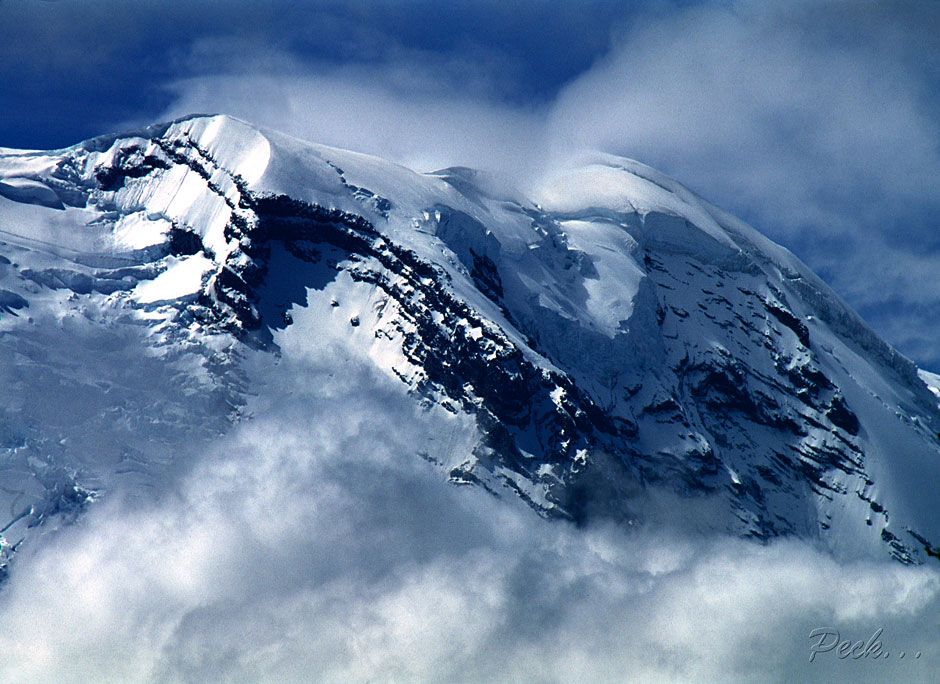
[605, 346]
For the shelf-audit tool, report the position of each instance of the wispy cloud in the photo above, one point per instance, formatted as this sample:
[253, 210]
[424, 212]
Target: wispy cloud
[815, 106]
[424, 113]
[816, 120]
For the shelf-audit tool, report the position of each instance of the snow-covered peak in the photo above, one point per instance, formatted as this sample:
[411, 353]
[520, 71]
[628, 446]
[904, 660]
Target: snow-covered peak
[237, 146]
[615, 340]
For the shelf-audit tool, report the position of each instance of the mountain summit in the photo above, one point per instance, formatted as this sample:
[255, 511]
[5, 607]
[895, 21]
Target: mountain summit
[620, 348]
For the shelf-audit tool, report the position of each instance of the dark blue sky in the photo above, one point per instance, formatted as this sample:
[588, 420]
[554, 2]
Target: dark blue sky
[74, 69]
[818, 121]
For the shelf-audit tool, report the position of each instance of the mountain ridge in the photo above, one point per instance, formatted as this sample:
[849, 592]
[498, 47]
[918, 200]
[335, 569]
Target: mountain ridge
[616, 337]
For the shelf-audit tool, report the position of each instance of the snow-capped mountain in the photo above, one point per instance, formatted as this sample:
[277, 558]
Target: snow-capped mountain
[622, 348]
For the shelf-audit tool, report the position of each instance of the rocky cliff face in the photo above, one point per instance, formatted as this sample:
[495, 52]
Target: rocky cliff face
[624, 349]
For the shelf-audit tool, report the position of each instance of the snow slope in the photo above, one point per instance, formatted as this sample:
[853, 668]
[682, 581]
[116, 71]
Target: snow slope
[619, 347]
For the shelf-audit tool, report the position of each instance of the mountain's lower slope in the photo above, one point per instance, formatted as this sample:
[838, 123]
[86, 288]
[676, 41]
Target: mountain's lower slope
[623, 348]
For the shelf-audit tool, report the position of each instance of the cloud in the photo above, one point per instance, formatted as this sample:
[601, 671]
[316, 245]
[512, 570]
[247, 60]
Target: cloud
[811, 112]
[813, 106]
[311, 545]
[421, 112]
[815, 120]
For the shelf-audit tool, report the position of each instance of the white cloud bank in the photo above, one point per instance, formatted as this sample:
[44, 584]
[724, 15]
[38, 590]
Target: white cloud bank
[312, 546]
